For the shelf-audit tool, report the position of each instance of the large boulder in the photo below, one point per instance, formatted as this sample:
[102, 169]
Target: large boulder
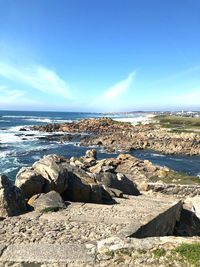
[194, 204]
[47, 174]
[82, 187]
[12, 200]
[78, 190]
[52, 169]
[29, 181]
[118, 181]
[50, 201]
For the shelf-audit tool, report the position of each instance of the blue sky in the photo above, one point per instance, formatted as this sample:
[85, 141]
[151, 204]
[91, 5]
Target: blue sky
[99, 55]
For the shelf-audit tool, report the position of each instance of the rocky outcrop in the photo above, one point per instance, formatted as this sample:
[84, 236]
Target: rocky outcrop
[70, 180]
[51, 201]
[105, 173]
[12, 201]
[82, 179]
[114, 136]
[178, 190]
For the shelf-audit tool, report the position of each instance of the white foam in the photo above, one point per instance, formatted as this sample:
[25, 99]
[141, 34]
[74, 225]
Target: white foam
[36, 157]
[47, 120]
[176, 159]
[39, 120]
[9, 138]
[15, 116]
[10, 170]
[157, 155]
[4, 154]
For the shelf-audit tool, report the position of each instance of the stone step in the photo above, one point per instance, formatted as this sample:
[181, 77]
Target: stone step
[140, 216]
[32, 254]
[69, 237]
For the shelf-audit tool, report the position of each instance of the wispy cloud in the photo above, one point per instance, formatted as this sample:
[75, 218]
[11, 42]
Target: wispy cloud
[10, 94]
[119, 88]
[112, 98]
[38, 77]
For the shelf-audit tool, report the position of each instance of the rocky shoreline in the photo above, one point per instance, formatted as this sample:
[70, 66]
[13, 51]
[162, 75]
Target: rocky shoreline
[120, 136]
[98, 207]
[110, 212]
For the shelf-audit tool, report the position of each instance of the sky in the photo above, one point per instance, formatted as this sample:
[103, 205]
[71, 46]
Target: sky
[99, 55]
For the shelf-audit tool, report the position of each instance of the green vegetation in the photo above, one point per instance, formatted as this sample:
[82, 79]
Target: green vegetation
[191, 252]
[177, 178]
[159, 252]
[179, 123]
[50, 209]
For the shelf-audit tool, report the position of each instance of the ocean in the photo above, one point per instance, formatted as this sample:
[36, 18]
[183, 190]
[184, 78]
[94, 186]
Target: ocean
[22, 148]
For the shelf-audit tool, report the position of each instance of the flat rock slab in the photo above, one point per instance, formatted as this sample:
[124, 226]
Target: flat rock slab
[70, 236]
[140, 216]
[47, 253]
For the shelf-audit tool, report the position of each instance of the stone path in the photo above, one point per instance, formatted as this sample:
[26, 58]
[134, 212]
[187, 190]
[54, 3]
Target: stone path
[79, 227]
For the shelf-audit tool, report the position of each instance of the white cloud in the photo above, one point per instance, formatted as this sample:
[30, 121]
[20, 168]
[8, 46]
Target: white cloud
[38, 77]
[112, 98]
[7, 95]
[119, 88]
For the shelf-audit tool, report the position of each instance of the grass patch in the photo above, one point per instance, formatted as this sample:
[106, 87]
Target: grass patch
[110, 253]
[191, 252]
[177, 178]
[159, 252]
[178, 123]
[51, 209]
[124, 251]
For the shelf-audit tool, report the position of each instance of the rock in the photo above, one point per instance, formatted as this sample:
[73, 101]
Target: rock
[79, 164]
[91, 154]
[52, 168]
[51, 200]
[46, 255]
[111, 244]
[12, 201]
[96, 168]
[125, 137]
[120, 182]
[143, 186]
[78, 189]
[123, 157]
[49, 173]
[196, 205]
[29, 182]
[188, 225]
[89, 162]
[115, 192]
[105, 165]
[96, 193]
[82, 187]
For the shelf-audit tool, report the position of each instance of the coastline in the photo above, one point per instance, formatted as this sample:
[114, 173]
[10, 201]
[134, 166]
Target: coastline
[21, 146]
[58, 202]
